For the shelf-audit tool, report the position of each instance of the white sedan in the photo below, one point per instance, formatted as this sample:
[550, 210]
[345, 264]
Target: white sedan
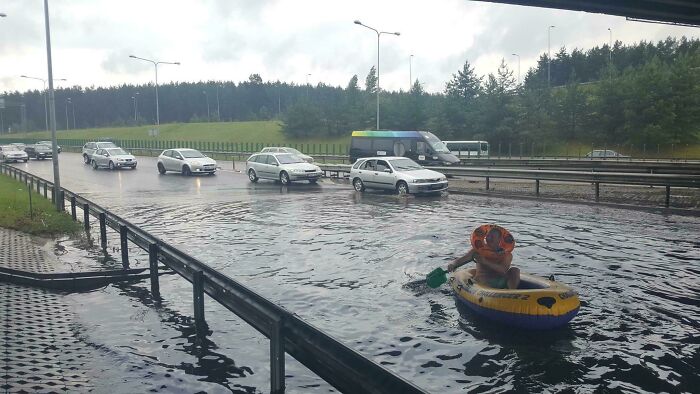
[186, 162]
[395, 173]
[10, 153]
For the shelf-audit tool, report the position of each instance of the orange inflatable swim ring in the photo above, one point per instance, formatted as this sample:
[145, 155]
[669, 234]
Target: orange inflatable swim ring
[478, 240]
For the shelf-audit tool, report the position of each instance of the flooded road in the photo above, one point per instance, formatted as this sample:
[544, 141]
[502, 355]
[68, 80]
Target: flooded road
[351, 264]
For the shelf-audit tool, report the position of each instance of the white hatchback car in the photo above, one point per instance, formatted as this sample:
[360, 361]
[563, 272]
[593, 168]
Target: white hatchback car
[113, 158]
[10, 153]
[186, 162]
[395, 173]
[283, 167]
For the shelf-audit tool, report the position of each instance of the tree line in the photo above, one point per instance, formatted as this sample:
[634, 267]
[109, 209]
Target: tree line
[641, 93]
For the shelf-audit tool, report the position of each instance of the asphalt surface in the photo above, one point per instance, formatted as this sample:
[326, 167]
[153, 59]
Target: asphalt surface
[140, 184]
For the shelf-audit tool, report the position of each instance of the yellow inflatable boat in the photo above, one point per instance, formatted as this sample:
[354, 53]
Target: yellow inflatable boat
[537, 304]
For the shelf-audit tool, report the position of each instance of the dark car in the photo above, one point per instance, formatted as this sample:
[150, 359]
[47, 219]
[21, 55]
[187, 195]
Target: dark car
[38, 151]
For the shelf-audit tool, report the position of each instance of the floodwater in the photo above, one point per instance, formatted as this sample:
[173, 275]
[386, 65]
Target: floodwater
[352, 264]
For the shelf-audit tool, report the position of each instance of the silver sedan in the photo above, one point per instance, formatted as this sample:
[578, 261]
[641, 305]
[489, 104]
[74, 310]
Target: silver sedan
[113, 158]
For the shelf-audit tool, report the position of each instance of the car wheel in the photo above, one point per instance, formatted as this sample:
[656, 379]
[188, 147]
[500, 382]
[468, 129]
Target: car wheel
[402, 187]
[313, 181]
[161, 168]
[186, 171]
[284, 178]
[252, 175]
[358, 185]
[94, 164]
[86, 159]
[134, 167]
[111, 165]
[25, 160]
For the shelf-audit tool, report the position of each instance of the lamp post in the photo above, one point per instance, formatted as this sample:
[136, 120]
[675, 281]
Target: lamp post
[410, 72]
[155, 64]
[379, 33]
[307, 85]
[46, 106]
[515, 54]
[72, 107]
[52, 112]
[135, 98]
[218, 107]
[67, 102]
[207, 98]
[549, 55]
[610, 48]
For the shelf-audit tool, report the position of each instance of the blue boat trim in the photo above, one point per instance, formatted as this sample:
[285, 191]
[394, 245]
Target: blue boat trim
[532, 322]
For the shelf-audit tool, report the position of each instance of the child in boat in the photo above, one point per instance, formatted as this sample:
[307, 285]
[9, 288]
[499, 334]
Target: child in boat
[493, 264]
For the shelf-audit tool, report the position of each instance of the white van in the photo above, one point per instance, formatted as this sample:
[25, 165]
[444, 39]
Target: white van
[468, 148]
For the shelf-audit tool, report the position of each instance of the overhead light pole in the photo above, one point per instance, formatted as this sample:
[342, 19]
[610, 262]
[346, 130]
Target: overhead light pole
[515, 54]
[307, 85]
[52, 114]
[410, 73]
[549, 55]
[218, 107]
[610, 48]
[46, 106]
[207, 98]
[155, 64]
[135, 98]
[67, 102]
[379, 33]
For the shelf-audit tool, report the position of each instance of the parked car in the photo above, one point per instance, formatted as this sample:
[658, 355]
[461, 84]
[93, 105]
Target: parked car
[10, 153]
[113, 158]
[58, 147]
[185, 161]
[604, 153]
[283, 167]
[396, 173]
[91, 147]
[38, 151]
[18, 145]
[273, 149]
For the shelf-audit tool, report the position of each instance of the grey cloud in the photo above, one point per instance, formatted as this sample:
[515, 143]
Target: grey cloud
[118, 61]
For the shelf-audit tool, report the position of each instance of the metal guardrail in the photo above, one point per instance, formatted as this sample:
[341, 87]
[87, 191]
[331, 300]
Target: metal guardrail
[339, 365]
[596, 178]
[610, 164]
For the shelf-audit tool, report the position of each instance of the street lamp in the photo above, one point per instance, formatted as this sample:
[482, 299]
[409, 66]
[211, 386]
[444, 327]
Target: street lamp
[135, 98]
[218, 108]
[67, 102]
[207, 97]
[52, 114]
[379, 33]
[46, 106]
[549, 54]
[610, 48]
[410, 73]
[307, 85]
[515, 54]
[155, 64]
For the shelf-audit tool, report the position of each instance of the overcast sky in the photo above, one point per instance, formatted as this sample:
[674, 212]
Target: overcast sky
[286, 40]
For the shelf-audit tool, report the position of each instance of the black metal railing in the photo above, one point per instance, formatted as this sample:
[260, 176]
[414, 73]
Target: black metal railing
[339, 365]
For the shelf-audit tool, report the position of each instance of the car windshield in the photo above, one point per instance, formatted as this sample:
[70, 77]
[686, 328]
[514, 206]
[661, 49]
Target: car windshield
[10, 147]
[107, 145]
[191, 154]
[435, 143]
[289, 158]
[42, 147]
[293, 151]
[405, 165]
[117, 151]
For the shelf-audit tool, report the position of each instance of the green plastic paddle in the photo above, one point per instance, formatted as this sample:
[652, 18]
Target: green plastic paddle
[436, 278]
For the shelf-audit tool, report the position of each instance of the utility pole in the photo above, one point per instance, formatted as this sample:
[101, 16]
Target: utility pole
[549, 56]
[52, 112]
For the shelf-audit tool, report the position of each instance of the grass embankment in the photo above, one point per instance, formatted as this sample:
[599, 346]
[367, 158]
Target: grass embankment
[14, 211]
[267, 132]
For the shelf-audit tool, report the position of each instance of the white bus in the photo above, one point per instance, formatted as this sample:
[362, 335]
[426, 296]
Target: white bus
[468, 148]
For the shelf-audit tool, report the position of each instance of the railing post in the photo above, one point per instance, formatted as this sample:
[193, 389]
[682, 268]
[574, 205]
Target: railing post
[86, 217]
[198, 298]
[668, 196]
[537, 187]
[72, 208]
[153, 263]
[277, 357]
[597, 191]
[487, 183]
[46, 190]
[103, 229]
[62, 199]
[123, 232]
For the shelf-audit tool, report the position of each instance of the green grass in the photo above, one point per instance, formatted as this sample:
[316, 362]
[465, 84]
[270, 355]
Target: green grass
[266, 132]
[14, 211]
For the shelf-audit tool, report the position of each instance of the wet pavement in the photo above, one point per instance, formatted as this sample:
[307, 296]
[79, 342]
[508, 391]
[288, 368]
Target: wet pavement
[352, 264]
